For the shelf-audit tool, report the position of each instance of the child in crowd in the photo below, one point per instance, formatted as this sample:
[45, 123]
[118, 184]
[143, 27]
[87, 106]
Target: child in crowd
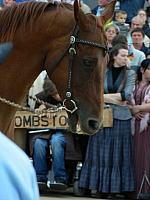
[120, 19]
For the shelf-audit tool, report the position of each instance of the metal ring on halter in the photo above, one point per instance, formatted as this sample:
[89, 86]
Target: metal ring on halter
[74, 105]
[72, 39]
[72, 50]
[68, 94]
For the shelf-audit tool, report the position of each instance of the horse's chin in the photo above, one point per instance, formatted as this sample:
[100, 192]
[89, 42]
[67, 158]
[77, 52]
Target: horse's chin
[72, 122]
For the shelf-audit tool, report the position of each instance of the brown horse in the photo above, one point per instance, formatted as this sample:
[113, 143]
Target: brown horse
[40, 33]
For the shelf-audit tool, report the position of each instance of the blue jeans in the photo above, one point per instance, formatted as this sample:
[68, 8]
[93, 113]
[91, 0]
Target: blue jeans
[57, 143]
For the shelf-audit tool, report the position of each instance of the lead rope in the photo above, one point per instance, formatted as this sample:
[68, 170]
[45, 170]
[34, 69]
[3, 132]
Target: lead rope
[52, 108]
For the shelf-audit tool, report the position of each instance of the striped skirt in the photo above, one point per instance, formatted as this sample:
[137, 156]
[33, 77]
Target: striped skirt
[108, 165]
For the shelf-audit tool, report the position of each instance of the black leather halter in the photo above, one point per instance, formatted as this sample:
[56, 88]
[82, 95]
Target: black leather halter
[72, 52]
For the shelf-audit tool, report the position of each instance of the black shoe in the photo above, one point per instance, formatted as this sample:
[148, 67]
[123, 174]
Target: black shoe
[58, 186]
[41, 179]
[98, 195]
[42, 186]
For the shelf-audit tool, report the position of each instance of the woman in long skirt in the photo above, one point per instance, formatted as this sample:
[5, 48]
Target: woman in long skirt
[108, 166]
[141, 129]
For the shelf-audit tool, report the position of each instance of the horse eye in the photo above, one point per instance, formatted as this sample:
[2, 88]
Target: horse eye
[89, 62]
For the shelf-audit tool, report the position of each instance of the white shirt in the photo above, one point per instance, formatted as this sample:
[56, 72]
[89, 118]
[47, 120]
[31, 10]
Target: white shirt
[36, 88]
[17, 176]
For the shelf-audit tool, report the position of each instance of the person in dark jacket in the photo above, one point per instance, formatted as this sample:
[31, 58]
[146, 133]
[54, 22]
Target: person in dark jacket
[131, 7]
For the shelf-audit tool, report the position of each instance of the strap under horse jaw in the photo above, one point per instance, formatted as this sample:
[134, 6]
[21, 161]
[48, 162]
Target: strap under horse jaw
[72, 52]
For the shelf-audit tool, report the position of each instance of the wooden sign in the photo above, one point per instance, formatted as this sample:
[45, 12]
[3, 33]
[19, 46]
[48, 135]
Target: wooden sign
[24, 119]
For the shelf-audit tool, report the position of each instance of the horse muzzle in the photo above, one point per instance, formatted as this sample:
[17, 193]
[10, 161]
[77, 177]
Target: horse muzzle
[87, 126]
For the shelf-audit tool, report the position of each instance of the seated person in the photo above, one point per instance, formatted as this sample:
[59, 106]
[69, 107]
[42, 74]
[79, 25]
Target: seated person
[54, 141]
[57, 141]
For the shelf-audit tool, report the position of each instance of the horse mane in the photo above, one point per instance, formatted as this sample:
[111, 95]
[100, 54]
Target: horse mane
[20, 14]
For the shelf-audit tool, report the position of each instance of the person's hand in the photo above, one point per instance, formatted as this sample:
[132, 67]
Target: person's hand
[139, 115]
[40, 108]
[57, 97]
[137, 112]
[135, 109]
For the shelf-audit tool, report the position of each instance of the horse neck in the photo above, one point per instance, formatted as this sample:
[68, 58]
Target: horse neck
[60, 28]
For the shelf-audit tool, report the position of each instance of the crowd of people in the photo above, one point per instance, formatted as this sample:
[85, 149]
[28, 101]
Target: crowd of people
[116, 164]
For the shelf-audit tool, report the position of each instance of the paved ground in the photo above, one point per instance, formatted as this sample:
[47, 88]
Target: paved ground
[55, 196]
[58, 195]
[62, 195]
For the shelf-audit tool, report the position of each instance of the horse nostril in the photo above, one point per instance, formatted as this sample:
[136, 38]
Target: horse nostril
[94, 125]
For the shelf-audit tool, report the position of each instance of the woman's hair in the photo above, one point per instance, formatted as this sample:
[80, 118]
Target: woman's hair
[114, 52]
[119, 39]
[144, 65]
[110, 25]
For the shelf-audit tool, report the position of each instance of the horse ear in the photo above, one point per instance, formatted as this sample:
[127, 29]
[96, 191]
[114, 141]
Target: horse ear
[81, 19]
[108, 13]
[76, 10]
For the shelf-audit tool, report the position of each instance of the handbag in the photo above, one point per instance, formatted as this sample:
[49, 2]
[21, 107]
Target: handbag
[107, 117]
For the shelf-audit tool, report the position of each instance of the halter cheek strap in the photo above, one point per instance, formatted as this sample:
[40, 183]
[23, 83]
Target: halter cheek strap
[69, 104]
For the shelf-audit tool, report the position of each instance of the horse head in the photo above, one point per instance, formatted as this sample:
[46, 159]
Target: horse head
[70, 45]
[86, 56]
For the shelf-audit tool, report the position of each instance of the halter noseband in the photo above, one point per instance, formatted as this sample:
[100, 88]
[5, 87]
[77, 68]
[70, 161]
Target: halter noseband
[72, 52]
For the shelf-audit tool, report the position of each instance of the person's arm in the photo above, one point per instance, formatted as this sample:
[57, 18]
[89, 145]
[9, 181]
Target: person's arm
[141, 108]
[114, 98]
[121, 98]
